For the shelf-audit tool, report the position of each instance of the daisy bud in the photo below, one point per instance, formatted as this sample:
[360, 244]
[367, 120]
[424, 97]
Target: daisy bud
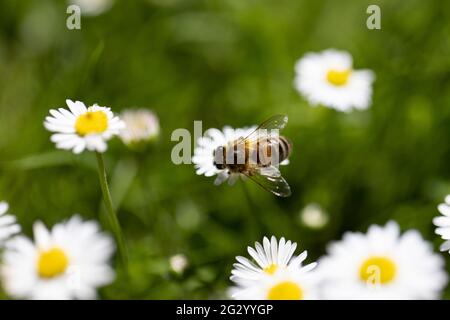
[141, 127]
[313, 216]
[178, 263]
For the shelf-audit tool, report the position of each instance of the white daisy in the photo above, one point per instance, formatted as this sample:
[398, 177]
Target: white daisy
[203, 158]
[382, 264]
[92, 7]
[141, 126]
[276, 275]
[82, 128]
[443, 223]
[328, 78]
[8, 224]
[67, 262]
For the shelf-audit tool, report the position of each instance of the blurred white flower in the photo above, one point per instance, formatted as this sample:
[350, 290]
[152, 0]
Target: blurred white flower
[328, 78]
[67, 262]
[178, 263]
[141, 126]
[8, 224]
[92, 7]
[82, 128]
[203, 158]
[313, 216]
[276, 275]
[382, 264]
[443, 223]
[37, 29]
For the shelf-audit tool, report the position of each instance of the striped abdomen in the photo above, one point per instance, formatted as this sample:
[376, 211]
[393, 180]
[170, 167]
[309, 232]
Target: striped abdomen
[238, 156]
[263, 151]
[285, 148]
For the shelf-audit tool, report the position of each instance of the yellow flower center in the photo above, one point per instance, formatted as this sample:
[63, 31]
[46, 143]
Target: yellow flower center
[338, 78]
[287, 290]
[271, 269]
[52, 263]
[91, 122]
[378, 270]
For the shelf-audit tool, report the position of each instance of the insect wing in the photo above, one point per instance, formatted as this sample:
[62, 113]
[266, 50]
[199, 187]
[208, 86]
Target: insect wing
[278, 121]
[265, 129]
[271, 180]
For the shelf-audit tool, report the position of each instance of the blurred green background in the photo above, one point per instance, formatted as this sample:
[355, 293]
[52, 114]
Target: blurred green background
[225, 62]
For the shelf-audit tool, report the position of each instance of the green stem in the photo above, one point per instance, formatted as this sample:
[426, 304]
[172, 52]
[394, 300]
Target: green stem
[112, 217]
[255, 225]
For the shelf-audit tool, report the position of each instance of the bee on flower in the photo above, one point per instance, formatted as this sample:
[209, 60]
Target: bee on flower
[382, 264]
[81, 127]
[328, 78]
[67, 262]
[253, 153]
[141, 127]
[274, 274]
[203, 158]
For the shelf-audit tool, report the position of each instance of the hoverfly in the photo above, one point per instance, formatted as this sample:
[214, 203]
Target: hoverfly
[258, 155]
